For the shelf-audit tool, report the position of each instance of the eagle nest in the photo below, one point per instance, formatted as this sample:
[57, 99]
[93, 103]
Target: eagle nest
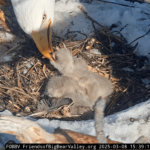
[23, 80]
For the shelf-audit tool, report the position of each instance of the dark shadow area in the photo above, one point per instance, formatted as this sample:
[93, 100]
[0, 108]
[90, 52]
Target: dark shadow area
[11, 20]
[64, 133]
[7, 138]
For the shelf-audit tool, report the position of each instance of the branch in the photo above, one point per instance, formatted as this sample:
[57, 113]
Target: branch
[139, 1]
[27, 131]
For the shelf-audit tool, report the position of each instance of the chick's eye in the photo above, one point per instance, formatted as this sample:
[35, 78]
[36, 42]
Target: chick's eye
[44, 18]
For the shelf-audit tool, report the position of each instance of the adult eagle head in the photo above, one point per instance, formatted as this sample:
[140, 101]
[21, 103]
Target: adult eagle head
[35, 17]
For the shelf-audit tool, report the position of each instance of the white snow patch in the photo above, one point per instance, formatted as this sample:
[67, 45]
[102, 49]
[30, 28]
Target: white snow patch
[9, 36]
[7, 58]
[119, 127]
[28, 64]
[68, 17]
[85, 127]
[6, 112]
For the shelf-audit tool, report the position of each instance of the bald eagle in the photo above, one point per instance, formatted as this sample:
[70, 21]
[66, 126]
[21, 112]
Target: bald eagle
[35, 17]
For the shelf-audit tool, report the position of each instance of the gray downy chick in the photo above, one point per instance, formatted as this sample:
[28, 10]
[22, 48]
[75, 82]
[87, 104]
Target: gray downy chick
[96, 87]
[64, 87]
[93, 84]
[66, 64]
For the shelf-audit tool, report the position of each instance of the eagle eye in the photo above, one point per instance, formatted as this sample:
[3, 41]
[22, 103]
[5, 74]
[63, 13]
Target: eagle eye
[44, 18]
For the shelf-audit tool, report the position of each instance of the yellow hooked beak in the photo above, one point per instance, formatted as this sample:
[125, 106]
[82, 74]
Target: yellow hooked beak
[43, 40]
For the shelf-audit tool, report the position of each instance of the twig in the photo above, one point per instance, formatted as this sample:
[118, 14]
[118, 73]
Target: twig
[104, 30]
[140, 37]
[12, 99]
[44, 67]
[64, 46]
[139, 1]
[71, 38]
[105, 47]
[1, 90]
[121, 36]
[12, 89]
[39, 113]
[18, 77]
[37, 63]
[83, 45]
[85, 13]
[123, 27]
[109, 56]
[116, 3]
[110, 43]
[27, 78]
[39, 87]
[76, 32]
[9, 51]
[46, 111]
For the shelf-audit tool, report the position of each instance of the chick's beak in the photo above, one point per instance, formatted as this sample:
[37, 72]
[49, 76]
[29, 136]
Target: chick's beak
[43, 40]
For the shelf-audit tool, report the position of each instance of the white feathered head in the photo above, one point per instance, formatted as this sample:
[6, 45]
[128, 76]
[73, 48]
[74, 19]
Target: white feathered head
[35, 17]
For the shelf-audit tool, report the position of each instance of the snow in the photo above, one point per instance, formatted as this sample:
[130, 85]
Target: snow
[135, 18]
[6, 112]
[119, 123]
[124, 130]
[7, 58]
[85, 127]
[68, 17]
[118, 126]
[9, 37]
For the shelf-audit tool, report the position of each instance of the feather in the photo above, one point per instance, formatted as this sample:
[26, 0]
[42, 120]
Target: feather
[29, 13]
[78, 83]
[95, 85]
[65, 87]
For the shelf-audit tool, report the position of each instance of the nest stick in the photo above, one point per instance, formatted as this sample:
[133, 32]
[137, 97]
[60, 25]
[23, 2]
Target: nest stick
[9, 51]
